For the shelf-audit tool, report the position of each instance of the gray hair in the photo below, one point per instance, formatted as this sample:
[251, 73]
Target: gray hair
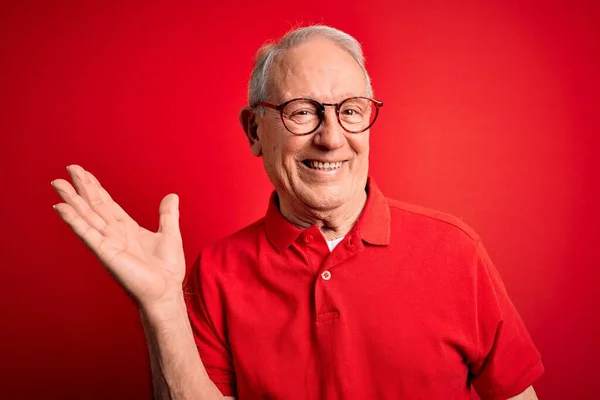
[258, 89]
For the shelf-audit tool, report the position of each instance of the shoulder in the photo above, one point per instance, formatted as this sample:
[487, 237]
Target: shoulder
[441, 247]
[428, 224]
[238, 248]
[247, 236]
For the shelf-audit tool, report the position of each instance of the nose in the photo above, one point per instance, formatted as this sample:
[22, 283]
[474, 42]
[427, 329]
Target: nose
[330, 134]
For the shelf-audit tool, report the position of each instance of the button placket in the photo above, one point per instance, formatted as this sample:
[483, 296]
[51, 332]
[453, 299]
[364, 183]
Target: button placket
[326, 289]
[314, 247]
[350, 247]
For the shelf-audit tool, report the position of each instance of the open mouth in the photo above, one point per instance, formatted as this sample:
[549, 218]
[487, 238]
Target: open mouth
[322, 166]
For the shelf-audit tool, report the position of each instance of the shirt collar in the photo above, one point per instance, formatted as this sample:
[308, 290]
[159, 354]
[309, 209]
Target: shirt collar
[373, 225]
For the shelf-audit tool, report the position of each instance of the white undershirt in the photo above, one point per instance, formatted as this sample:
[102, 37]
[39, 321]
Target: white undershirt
[334, 242]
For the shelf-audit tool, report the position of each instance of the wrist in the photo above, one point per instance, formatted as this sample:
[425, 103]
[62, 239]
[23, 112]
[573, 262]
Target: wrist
[165, 310]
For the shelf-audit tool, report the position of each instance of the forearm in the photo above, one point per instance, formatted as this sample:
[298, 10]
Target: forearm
[177, 371]
[528, 394]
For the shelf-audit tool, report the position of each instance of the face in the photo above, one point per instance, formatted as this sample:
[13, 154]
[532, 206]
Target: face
[320, 70]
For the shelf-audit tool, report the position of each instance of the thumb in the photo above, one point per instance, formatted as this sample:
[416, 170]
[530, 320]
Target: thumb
[169, 216]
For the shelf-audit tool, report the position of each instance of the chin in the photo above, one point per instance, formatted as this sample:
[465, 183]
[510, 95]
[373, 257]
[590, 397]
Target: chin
[324, 198]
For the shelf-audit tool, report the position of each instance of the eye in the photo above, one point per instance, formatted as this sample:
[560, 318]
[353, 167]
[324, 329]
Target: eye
[301, 113]
[350, 112]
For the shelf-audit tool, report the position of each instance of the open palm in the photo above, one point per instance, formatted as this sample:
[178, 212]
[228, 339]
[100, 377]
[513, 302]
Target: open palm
[148, 265]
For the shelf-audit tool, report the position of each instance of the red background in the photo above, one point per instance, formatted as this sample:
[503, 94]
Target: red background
[491, 113]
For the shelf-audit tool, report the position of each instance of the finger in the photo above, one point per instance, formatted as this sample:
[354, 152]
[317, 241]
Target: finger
[88, 191]
[169, 216]
[90, 236]
[117, 210]
[68, 194]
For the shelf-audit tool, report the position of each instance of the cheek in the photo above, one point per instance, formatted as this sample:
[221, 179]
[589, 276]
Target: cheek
[360, 144]
[289, 148]
[269, 144]
[278, 150]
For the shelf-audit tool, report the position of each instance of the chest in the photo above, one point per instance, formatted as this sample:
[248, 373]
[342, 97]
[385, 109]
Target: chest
[354, 324]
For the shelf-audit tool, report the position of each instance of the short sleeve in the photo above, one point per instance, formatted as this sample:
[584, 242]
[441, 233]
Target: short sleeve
[508, 361]
[207, 317]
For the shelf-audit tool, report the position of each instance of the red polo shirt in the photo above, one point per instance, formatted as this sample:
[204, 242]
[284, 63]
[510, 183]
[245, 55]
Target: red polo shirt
[407, 306]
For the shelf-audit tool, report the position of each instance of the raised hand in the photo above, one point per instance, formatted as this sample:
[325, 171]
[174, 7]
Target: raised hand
[148, 265]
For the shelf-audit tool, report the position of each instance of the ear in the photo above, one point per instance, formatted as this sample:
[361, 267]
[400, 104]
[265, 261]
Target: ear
[248, 122]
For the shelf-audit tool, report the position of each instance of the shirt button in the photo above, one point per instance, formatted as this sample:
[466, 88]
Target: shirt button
[308, 238]
[326, 275]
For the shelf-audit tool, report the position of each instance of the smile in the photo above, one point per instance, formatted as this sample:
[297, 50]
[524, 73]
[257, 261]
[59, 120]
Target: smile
[322, 166]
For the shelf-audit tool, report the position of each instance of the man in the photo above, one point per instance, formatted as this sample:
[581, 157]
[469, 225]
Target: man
[337, 292]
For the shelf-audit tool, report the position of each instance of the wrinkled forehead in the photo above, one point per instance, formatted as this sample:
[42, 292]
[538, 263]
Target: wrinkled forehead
[317, 69]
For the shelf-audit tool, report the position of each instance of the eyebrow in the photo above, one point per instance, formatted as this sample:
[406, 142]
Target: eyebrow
[343, 96]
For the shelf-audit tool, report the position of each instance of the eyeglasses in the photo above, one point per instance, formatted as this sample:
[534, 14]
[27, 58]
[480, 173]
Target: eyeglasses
[304, 116]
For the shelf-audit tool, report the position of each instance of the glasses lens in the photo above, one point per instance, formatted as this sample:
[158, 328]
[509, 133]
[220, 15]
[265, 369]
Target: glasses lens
[301, 116]
[357, 114]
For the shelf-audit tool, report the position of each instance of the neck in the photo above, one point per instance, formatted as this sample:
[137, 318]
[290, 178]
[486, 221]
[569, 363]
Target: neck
[332, 223]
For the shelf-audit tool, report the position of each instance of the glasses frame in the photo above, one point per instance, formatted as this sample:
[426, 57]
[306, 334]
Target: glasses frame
[321, 107]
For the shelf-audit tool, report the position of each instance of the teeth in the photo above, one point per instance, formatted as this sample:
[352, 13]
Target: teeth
[327, 166]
